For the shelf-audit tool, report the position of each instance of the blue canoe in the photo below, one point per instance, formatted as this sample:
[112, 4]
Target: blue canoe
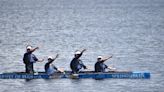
[81, 75]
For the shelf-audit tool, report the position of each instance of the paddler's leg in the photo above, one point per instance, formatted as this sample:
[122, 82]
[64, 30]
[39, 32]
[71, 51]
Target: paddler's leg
[30, 68]
[26, 68]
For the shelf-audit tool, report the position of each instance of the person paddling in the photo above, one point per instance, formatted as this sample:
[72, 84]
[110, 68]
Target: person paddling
[49, 67]
[29, 59]
[76, 64]
[100, 66]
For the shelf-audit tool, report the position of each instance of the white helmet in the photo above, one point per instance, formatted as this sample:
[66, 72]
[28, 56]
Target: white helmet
[29, 47]
[99, 57]
[50, 57]
[77, 52]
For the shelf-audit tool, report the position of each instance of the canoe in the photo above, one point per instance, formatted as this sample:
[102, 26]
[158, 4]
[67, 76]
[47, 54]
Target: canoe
[80, 75]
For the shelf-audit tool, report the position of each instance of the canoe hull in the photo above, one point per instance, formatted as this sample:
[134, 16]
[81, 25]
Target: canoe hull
[81, 75]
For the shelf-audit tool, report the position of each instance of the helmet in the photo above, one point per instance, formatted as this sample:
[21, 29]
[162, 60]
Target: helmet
[77, 52]
[28, 47]
[99, 57]
[50, 57]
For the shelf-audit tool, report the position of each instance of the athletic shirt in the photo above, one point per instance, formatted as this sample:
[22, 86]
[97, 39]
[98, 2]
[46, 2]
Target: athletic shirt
[29, 58]
[100, 66]
[76, 64]
[49, 69]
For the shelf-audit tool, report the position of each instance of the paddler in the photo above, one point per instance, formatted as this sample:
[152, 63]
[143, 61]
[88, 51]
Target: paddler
[100, 66]
[29, 59]
[49, 67]
[77, 64]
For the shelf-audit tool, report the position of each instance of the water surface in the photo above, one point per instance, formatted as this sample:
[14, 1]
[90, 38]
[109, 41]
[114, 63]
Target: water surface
[130, 30]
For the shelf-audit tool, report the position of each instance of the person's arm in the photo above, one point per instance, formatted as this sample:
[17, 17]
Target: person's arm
[81, 53]
[106, 66]
[81, 63]
[57, 69]
[34, 49]
[54, 58]
[40, 60]
[54, 67]
[111, 68]
[84, 66]
[105, 59]
[57, 55]
[36, 59]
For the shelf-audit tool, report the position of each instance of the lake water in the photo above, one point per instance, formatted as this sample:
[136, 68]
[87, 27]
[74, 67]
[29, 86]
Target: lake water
[130, 30]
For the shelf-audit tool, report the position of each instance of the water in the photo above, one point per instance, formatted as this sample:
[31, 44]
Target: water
[130, 30]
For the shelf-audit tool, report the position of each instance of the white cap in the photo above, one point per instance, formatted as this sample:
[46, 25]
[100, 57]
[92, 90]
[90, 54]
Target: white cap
[77, 52]
[50, 57]
[99, 57]
[29, 47]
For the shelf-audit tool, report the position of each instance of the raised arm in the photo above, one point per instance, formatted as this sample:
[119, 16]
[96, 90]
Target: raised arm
[57, 55]
[83, 51]
[32, 50]
[78, 53]
[105, 59]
